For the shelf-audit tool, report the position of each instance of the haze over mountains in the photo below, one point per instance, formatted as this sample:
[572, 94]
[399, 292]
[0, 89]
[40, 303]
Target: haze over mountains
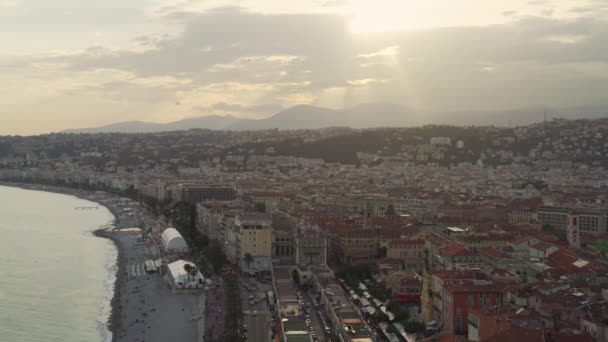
[362, 116]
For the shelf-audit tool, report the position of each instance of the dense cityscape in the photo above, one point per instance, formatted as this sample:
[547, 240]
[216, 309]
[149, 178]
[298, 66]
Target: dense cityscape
[435, 233]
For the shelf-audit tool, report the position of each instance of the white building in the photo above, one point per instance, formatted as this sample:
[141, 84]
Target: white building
[173, 241]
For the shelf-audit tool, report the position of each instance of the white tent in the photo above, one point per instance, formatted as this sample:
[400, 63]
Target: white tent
[181, 279]
[173, 241]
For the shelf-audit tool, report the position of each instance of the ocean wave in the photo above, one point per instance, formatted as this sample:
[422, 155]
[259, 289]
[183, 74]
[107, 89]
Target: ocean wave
[111, 268]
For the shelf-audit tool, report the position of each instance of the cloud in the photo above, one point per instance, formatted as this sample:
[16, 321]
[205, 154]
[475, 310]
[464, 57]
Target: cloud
[386, 52]
[365, 82]
[9, 3]
[269, 108]
[252, 64]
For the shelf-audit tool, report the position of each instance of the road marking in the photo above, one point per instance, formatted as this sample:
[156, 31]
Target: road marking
[137, 270]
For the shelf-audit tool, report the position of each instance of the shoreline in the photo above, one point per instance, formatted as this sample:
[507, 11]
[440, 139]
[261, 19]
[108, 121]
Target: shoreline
[114, 322]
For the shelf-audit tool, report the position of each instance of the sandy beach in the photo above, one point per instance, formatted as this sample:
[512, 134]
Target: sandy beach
[143, 306]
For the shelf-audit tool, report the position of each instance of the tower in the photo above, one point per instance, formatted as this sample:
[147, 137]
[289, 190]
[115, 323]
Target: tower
[573, 231]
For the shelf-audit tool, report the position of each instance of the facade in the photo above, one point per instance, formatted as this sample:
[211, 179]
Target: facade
[378, 205]
[254, 240]
[283, 244]
[214, 217]
[405, 286]
[592, 221]
[311, 246]
[434, 290]
[487, 322]
[409, 252]
[196, 193]
[462, 296]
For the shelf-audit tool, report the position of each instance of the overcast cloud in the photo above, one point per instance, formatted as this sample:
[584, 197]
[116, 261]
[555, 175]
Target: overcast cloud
[79, 64]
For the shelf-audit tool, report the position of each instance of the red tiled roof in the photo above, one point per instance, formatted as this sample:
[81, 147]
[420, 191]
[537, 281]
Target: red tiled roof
[572, 337]
[406, 242]
[494, 252]
[454, 274]
[454, 250]
[519, 335]
[541, 246]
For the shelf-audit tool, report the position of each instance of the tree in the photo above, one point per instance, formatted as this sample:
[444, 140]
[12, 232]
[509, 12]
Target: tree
[188, 269]
[248, 260]
[215, 254]
[382, 251]
[390, 210]
[193, 272]
[413, 328]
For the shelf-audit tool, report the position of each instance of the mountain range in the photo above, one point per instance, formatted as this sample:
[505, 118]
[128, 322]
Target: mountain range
[361, 116]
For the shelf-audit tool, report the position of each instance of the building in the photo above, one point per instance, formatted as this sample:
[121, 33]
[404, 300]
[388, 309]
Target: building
[378, 205]
[214, 217]
[409, 252]
[405, 286]
[173, 242]
[488, 321]
[253, 241]
[311, 246]
[592, 221]
[464, 295]
[196, 193]
[433, 290]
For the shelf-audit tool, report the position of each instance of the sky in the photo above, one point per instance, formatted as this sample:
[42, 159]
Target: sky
[73, 63]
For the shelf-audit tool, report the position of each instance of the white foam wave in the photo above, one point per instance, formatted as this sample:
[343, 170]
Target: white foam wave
[105, 311]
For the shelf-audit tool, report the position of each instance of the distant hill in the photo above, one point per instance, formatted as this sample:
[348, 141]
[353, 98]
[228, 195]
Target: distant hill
[363, 116]
[209, 122]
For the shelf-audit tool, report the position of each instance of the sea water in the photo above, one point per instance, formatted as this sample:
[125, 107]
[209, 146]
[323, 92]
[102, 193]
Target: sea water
[56, 277]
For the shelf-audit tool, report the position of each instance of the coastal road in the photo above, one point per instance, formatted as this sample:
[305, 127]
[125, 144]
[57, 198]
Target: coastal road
[256, 317]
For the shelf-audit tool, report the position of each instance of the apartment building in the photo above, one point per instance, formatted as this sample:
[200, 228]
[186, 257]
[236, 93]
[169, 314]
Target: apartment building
[249, 243]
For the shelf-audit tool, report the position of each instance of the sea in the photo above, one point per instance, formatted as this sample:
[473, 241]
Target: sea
[56, 277]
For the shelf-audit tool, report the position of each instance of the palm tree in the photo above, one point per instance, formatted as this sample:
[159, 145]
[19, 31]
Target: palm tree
[248, 259]
[188, 269]
[194, 272]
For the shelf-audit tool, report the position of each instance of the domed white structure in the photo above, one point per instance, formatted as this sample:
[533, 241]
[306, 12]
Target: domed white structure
[173, 241]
